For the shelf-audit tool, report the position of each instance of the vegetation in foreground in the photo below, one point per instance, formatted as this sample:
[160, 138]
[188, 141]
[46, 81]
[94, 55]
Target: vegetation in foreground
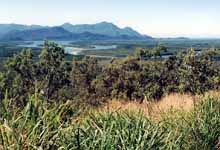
[39, 126]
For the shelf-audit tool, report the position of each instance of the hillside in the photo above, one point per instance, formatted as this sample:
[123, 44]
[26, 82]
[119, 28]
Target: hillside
[54, 33]
[38, 34]
[5, 28]
[103, 28]
[67, 31]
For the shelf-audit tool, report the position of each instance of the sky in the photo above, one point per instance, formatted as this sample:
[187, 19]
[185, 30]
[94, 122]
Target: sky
[158, 18]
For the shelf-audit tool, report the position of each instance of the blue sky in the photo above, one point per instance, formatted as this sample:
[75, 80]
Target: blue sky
[159, 18]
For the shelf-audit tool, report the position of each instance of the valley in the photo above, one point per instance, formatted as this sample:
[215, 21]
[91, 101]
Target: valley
[110, 49]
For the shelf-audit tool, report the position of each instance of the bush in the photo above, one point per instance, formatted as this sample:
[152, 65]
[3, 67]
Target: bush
[131, 78]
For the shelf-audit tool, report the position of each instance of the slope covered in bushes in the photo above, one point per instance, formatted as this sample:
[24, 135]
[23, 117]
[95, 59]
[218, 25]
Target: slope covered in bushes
[138, 77]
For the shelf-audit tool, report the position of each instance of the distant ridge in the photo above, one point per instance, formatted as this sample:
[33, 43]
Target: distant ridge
[104, 28]
[98, 31]
[5, 28]
[38, 34]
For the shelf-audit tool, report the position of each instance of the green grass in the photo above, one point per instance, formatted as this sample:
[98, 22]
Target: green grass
[39, 126]
[199, 129]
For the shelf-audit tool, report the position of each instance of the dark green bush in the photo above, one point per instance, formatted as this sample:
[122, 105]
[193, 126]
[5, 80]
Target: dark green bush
[131, 78]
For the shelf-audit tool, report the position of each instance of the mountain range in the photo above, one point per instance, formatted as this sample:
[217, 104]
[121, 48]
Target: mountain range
[67, 31]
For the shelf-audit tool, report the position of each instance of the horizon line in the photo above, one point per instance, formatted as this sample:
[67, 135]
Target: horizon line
[154, 35]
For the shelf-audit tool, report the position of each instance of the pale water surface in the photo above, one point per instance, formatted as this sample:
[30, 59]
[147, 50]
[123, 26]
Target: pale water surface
[67, 46]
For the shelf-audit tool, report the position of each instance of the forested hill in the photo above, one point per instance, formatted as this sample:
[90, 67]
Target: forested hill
[67, 31]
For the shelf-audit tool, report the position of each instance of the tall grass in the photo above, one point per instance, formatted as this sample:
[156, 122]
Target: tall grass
[38, 126]
[197, 129]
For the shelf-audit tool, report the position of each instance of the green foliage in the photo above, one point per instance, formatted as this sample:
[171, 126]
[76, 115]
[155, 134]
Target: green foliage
[195, 73]
[39, 126]
[2, 84]
[121, 79]
[53, 70]
[83, 74]
[197, 130]
[131, 78]
[36, 126]
[205, 127]
[151, 53]
[22, 75]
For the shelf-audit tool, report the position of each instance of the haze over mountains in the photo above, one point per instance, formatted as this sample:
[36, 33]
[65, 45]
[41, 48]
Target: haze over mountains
[67, 31]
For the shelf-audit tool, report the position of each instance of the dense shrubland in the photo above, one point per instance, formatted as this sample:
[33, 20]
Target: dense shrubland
[141, 76]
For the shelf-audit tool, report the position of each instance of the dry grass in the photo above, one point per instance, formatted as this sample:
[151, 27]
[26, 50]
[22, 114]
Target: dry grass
[181, 102]
[214, 94]
[175, 101]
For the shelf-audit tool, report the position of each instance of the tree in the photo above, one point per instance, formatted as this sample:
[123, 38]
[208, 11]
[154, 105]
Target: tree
[20, 76]
[196, 72]
[53, 70]
[2, 85]
[121, 79]
[82, 75]
[158, 50]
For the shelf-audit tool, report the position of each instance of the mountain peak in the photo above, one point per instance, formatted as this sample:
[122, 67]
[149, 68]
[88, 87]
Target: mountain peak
[105, 23]
[103, 29]
[127, 28]
[66, 25]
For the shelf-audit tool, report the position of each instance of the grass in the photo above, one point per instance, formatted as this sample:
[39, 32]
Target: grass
[196, 129]
[35, 126]
[39, 126]
[153, 109]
